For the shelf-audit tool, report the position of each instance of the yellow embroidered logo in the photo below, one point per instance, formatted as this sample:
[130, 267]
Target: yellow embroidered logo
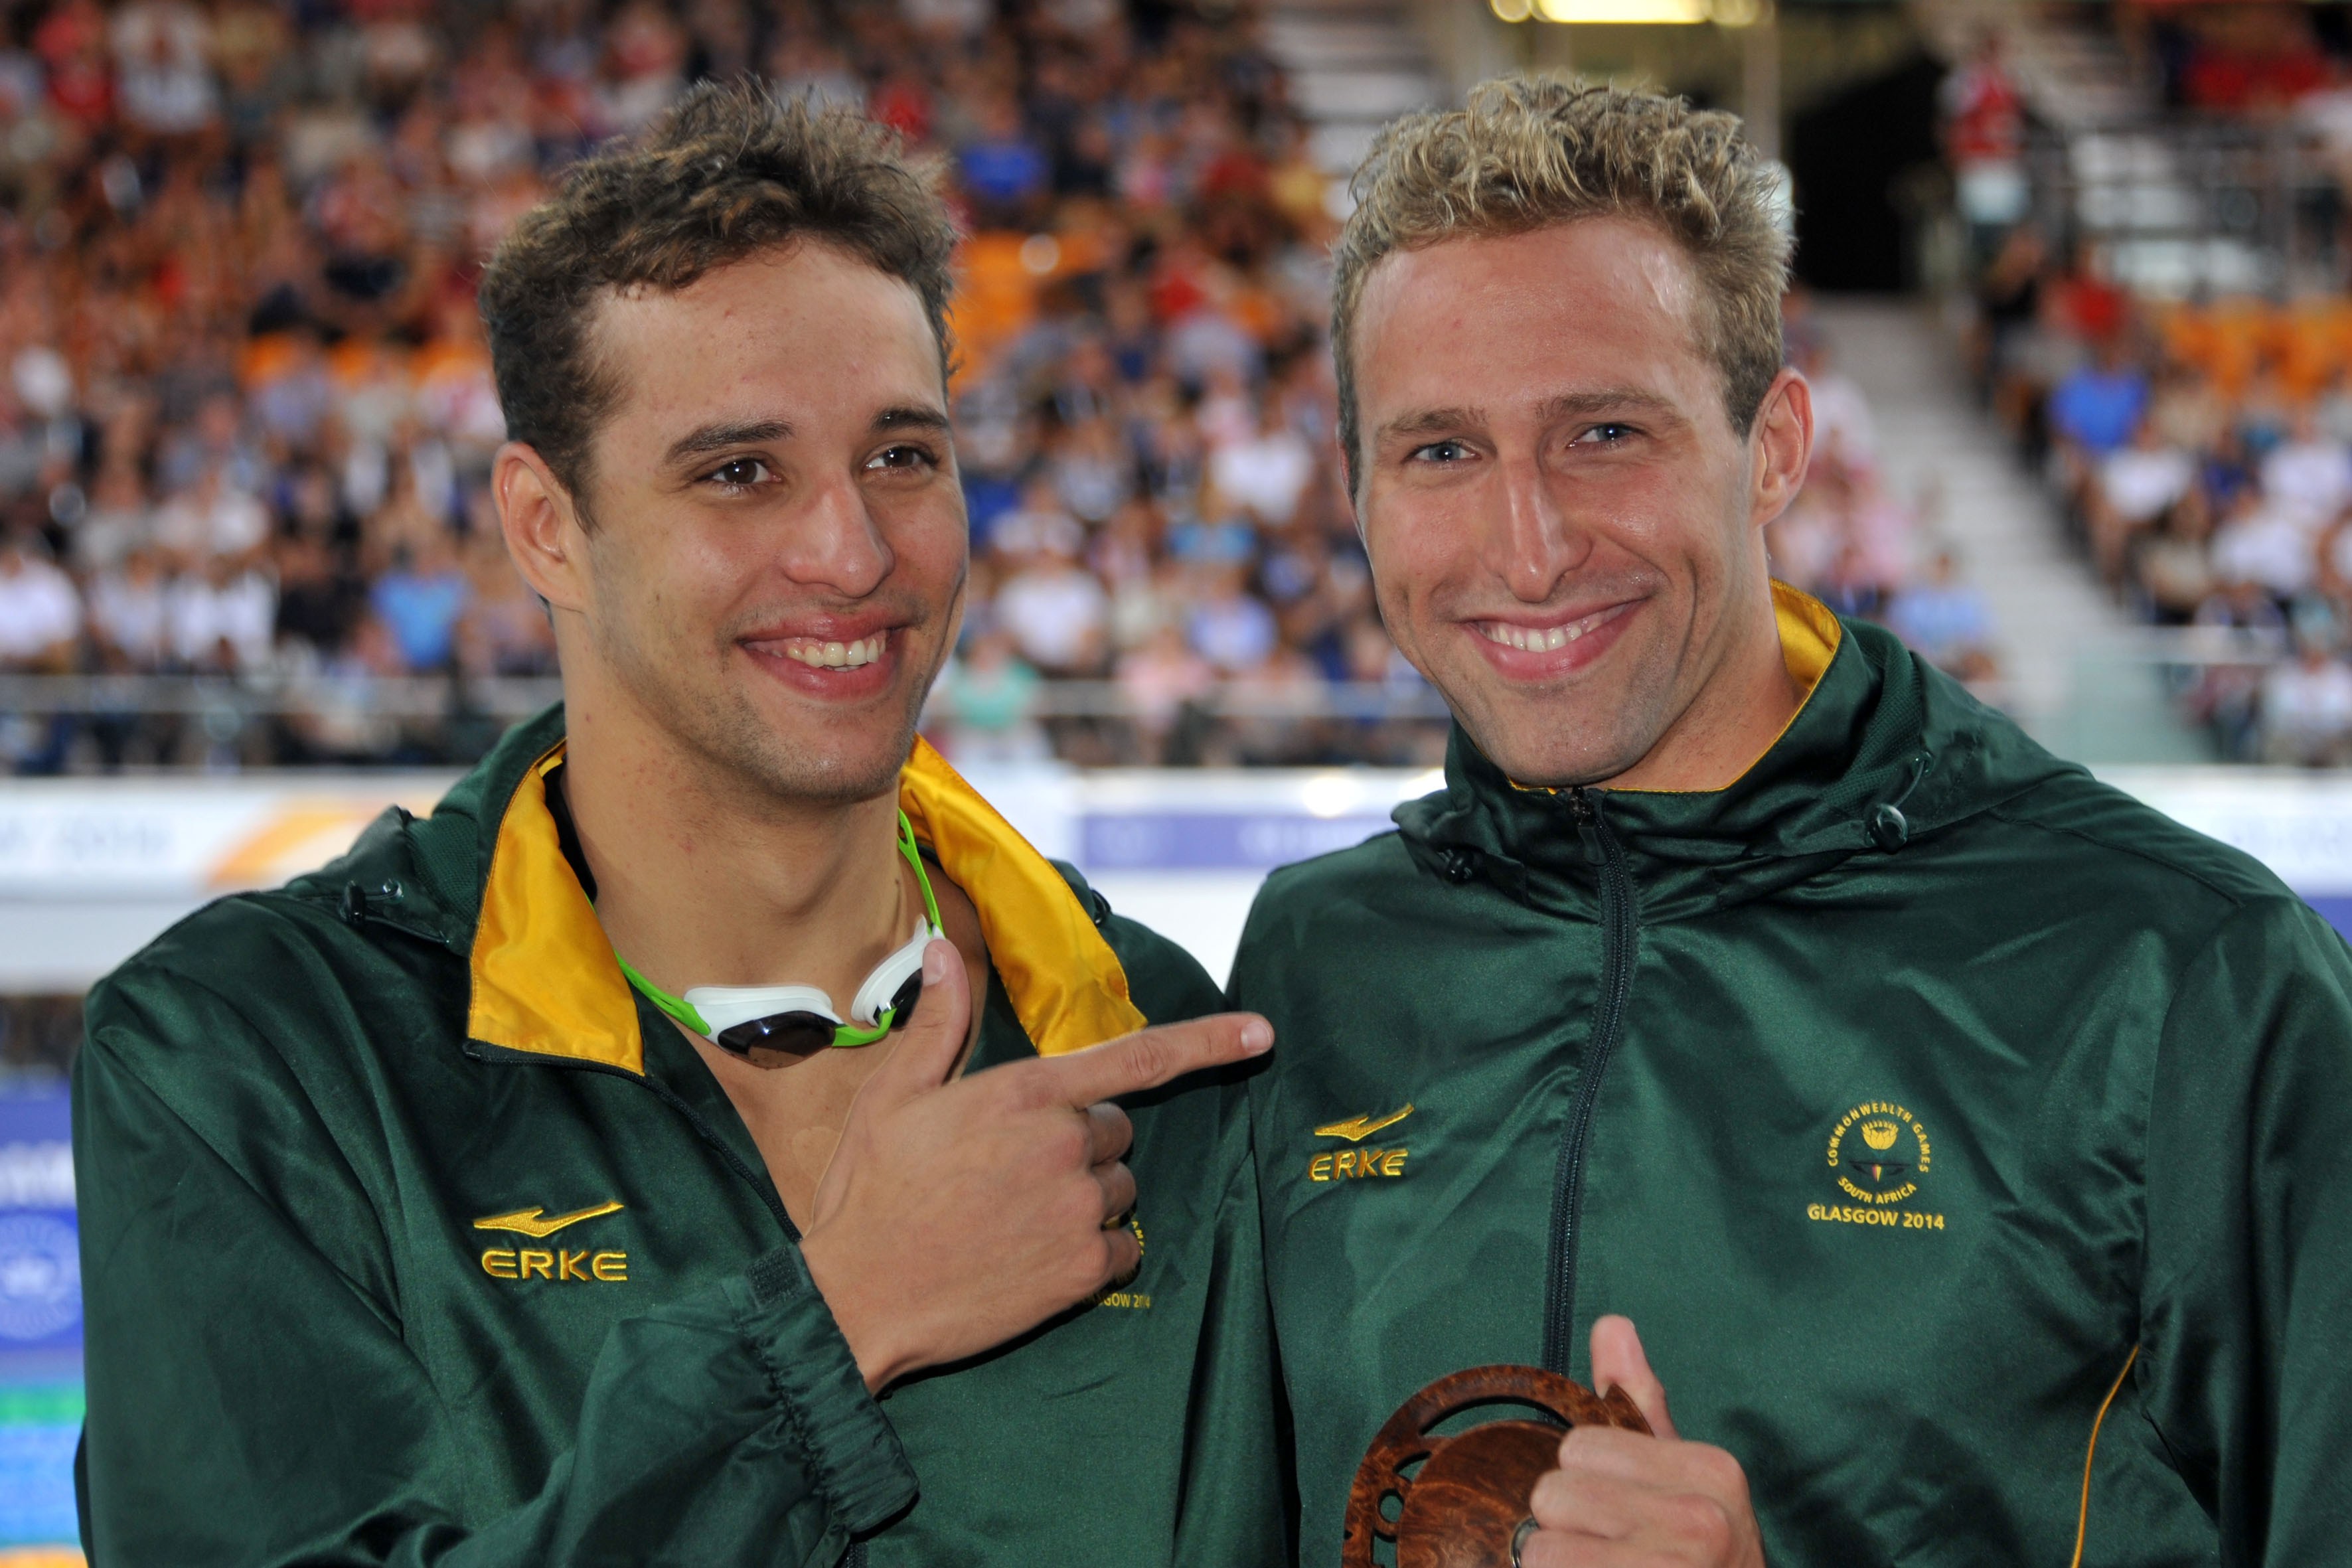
[1349, 1163]
[587, 1266]
[527, 1223]
[1878, 1155]
[1356, 1128]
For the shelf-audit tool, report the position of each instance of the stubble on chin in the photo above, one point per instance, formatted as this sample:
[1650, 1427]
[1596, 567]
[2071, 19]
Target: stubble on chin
[1563, 737]
[696, 700]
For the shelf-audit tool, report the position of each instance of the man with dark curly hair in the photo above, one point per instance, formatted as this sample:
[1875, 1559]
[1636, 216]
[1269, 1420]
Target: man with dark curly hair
[567, 1178]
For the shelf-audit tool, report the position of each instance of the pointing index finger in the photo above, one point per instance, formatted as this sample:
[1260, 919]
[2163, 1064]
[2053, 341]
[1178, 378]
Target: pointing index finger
[1149, 1058]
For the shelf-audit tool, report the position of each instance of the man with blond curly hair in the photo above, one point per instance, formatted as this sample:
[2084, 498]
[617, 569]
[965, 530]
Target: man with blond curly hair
[1965, 1139]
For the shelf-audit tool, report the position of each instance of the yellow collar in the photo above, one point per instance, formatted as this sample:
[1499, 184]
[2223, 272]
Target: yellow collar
[1810, 635]
[545, 980]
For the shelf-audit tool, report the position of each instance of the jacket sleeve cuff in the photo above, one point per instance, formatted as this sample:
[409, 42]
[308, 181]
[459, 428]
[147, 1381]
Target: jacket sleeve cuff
[853, 1453]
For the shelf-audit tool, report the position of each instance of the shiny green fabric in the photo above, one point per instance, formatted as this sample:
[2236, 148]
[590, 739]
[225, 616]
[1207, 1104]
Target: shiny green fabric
[2129, 1049]
[283, 1138]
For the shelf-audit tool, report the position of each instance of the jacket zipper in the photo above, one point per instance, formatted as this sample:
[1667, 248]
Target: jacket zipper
[1617, 935]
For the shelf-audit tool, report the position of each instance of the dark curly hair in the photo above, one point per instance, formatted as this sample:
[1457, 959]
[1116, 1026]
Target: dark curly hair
[727, 173]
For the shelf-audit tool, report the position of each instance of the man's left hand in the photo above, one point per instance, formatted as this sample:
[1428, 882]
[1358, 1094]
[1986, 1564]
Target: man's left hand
[1622, 1500]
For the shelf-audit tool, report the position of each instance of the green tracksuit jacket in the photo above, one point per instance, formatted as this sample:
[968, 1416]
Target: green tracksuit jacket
[1919, 1098]
[410, 1236]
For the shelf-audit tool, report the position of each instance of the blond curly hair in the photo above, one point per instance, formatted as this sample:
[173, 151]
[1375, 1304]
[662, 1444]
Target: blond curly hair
[1530, 151]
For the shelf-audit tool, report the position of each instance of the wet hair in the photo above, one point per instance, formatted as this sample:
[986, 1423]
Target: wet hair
[727, 173]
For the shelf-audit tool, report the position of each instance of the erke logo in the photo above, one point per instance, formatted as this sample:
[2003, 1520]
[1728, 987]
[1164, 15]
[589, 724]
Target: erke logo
[1353, 1162]
[558, 1263]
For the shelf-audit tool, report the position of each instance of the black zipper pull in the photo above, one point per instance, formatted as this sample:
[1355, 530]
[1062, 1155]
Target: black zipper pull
[1587, 818]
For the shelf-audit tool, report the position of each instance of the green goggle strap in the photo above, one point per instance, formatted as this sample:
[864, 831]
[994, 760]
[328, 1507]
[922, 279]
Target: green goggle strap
[845, 1035]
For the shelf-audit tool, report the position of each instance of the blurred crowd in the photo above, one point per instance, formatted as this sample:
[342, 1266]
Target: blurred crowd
[247, 415]
[1853, 542]
[2202, 448]
[2204, 453]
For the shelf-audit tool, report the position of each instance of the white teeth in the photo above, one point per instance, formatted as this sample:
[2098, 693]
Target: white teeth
[1538, 639]
[839, 655]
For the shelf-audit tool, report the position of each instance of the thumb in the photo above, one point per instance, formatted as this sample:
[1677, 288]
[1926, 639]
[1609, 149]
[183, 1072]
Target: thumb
[1618, 1361]
[926, 1049]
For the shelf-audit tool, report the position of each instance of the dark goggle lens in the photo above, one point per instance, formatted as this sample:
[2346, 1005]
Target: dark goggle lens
[797, 1033]
[803, 1034]
[902, 1005]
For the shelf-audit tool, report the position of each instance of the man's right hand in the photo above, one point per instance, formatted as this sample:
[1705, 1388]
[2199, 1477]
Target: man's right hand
[959, 1212]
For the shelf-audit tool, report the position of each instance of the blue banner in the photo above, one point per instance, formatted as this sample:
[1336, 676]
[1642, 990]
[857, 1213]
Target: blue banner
[40, 1319]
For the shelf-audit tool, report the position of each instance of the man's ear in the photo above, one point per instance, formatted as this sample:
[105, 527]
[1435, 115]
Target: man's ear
[541, 526]
[1781, 445]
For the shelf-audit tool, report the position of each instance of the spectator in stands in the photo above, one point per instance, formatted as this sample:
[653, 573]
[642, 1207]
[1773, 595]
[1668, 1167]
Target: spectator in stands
[1160, 681]
[2095, 409]
[1092, 469]
[211, 517]
[1843, 427]
[1229, 626]
[1984, 138]
[2263, 542]
[2307, 702]
[1947, 621]
[117, 524]
[1005, 171]
[128, 614]
[2130, 489]
[983, 709]
[220, 616]
[2009, 315]
[2335, 557]
[2172, 566]
[419, 602]
[2308, 473]
[1266, 472]
[1054, 609]
[503, 630]
[318, 600]
[40, 613]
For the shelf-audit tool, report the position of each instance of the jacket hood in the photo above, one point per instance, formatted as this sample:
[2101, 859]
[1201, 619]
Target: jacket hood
[1884, 751]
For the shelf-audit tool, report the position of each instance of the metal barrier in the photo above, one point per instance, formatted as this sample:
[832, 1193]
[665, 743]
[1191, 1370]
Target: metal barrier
[94, 722]
[420, 697]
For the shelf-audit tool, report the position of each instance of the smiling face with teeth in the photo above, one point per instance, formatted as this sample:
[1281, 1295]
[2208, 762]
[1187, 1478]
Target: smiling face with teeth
[765, 567]
[1566, 529]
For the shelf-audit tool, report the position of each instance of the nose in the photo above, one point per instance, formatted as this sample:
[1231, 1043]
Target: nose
[832, 543]
[1534, 544]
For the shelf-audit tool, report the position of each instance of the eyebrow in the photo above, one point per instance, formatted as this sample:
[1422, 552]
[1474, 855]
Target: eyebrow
[910, 416]
[1567, 406]
[707, 438]
[711, 437]
[1611, 400]
[1432, 422]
